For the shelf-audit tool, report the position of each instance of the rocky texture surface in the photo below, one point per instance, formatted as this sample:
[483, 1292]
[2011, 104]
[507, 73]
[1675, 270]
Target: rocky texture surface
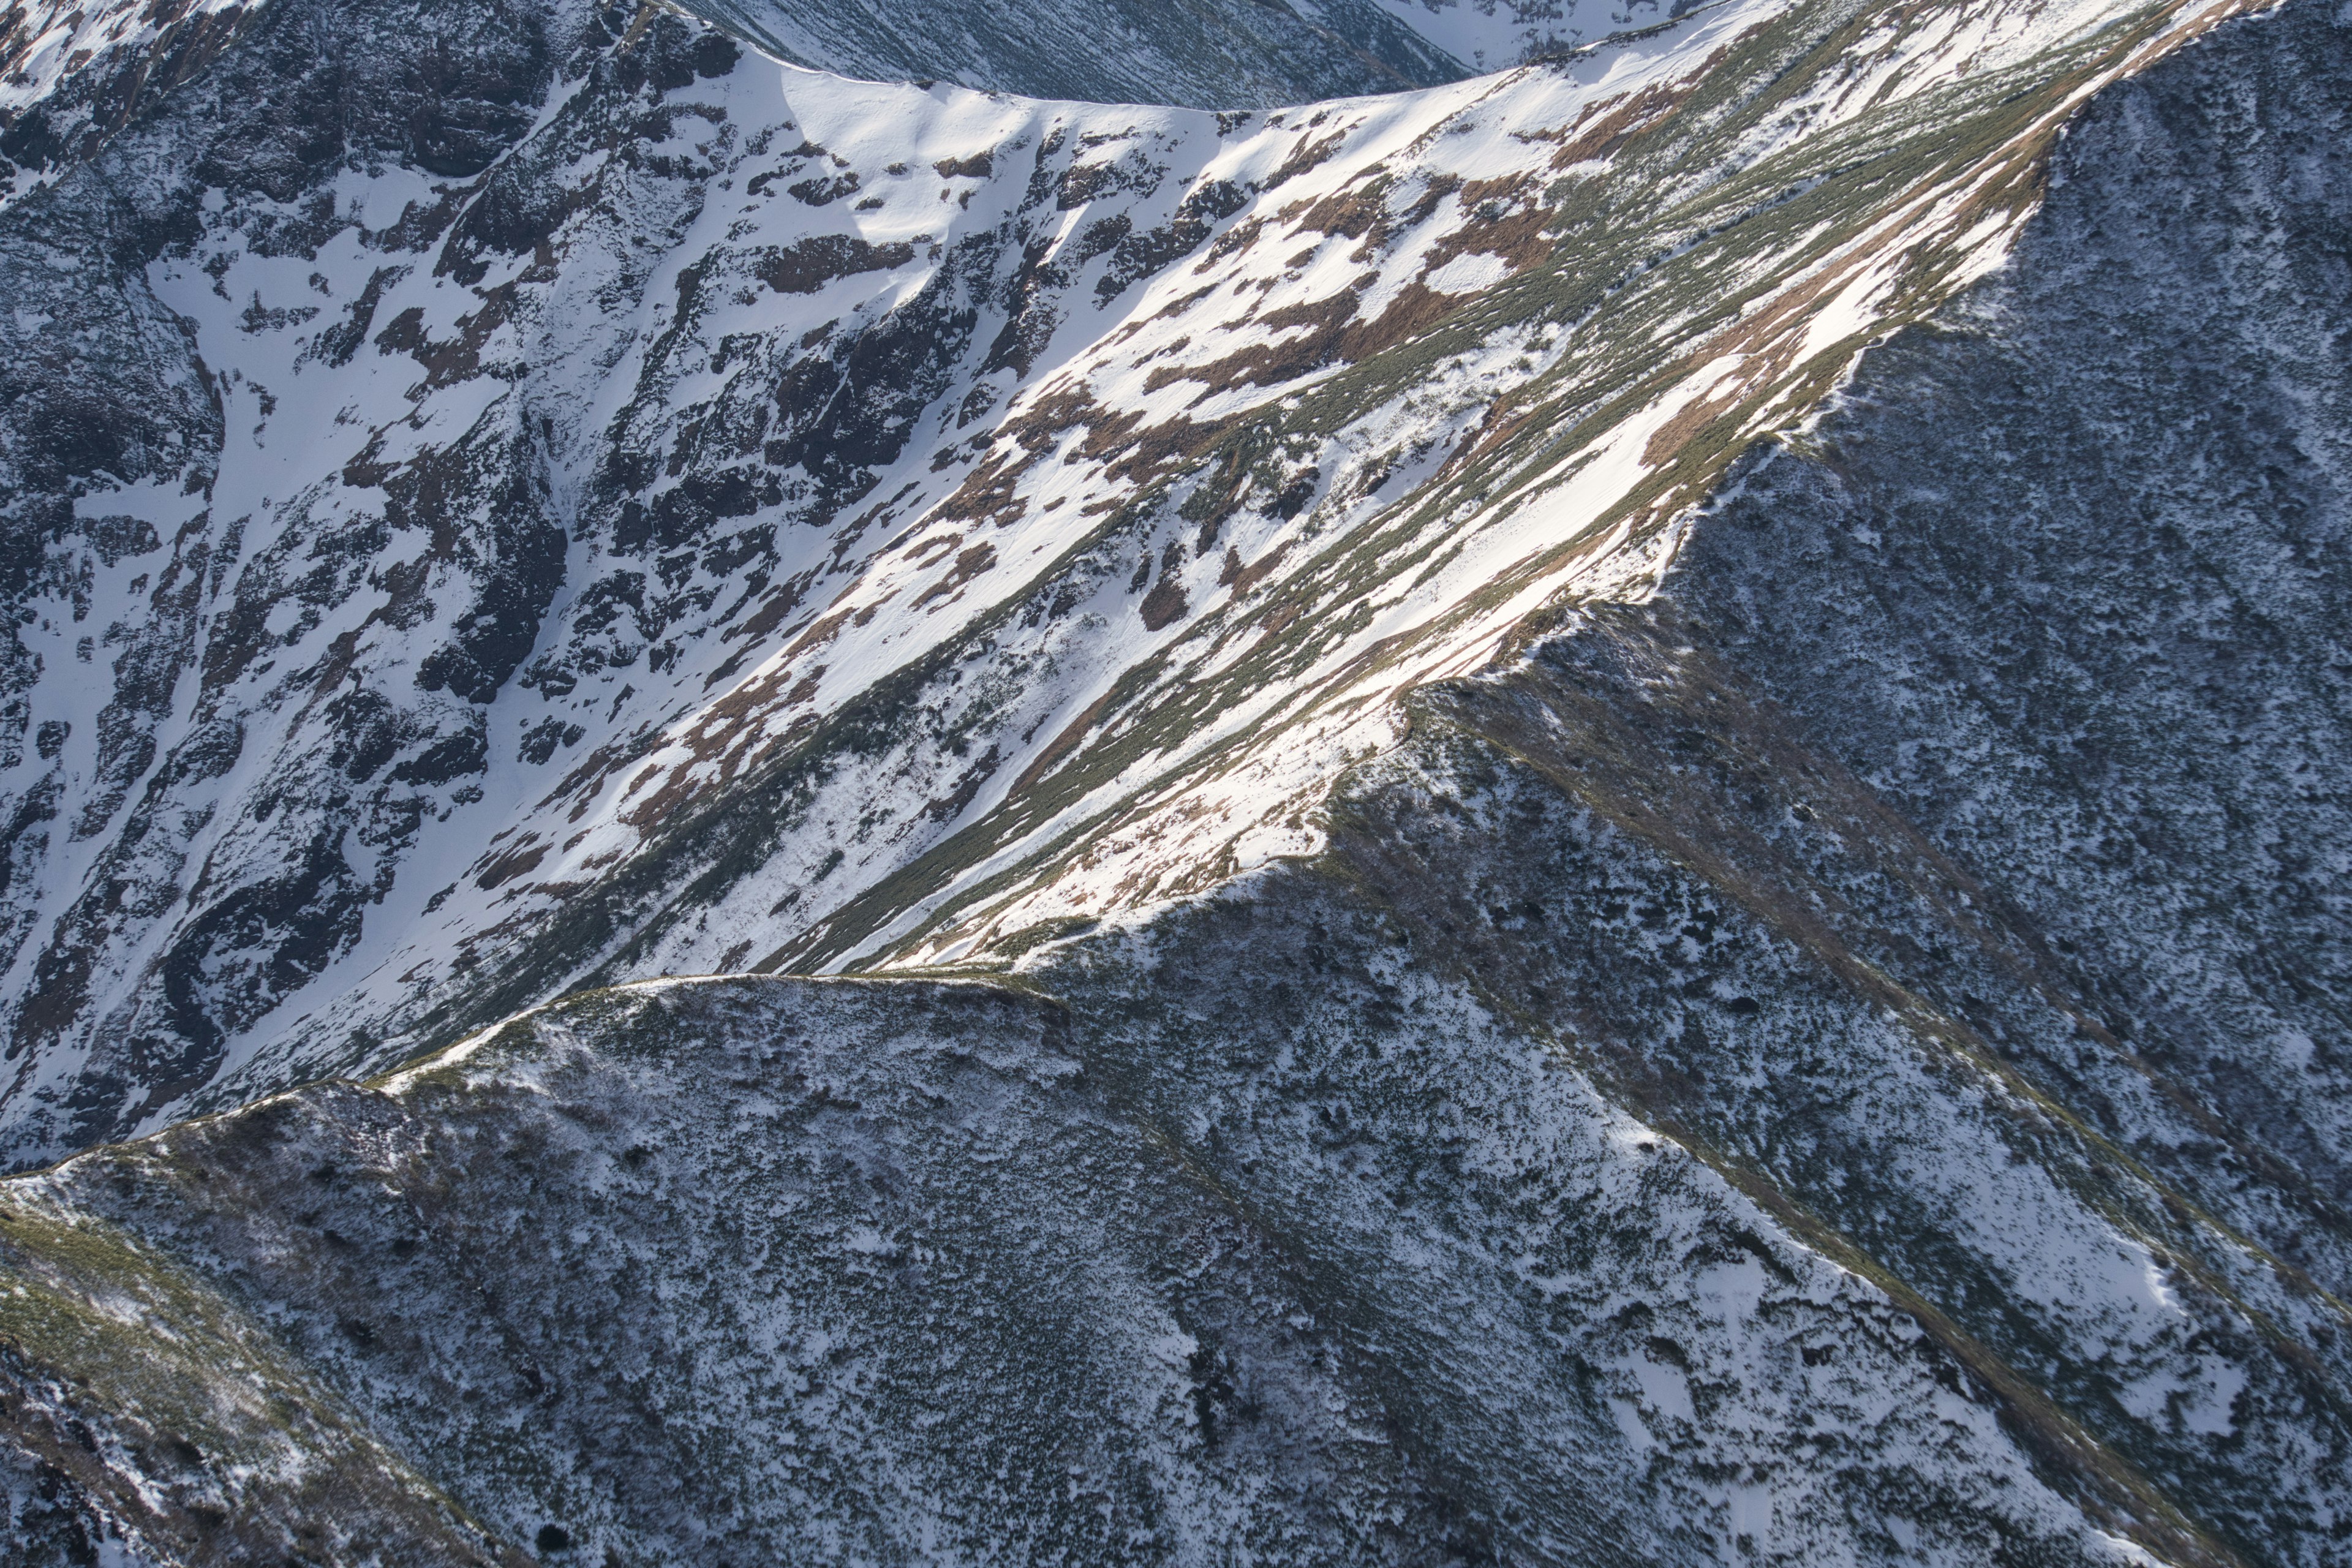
[1831, 1049]
[713, 1271]
[1211, 54]
[74, 74]
[2064, 582]
[580, 501]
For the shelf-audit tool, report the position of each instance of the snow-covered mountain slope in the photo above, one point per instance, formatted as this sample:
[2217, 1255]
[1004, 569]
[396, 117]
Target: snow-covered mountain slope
[1209, 54]
[1491, 34]
[1496, 1013]
[2065, 582]
[728, 1271]
[610, 504]
[73, 73]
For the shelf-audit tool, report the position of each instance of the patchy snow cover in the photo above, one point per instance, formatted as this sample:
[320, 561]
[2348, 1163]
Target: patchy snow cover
[842, 1235]
[1212, 54]
[730, 516]
[1489, 35]
[71, 74]
[1763, 1069]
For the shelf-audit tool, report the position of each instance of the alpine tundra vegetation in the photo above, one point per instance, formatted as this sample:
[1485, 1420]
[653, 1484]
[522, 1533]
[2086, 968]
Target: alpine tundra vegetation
[1500, 782]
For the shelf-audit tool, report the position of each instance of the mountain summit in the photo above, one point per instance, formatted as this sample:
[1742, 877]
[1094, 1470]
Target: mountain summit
[1594, 814]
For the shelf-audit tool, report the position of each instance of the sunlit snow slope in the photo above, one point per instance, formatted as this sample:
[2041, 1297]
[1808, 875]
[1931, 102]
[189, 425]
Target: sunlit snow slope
[609, 504]
[71, 75]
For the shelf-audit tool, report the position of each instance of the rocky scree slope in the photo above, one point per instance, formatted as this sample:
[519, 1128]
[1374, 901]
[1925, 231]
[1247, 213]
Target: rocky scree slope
[1830, 1048]
[548, 495]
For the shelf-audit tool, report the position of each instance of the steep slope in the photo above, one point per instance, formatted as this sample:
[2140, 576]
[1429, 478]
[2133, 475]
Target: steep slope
[711, 1271]
[708, 516]
[1211, 54]
[73, 74]
[2065, 582]
[1490, 34]
[1828, 1048]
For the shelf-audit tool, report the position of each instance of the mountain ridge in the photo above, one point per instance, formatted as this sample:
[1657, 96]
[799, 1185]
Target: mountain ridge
[71, 76]
[1817, 1041]
[973, 379]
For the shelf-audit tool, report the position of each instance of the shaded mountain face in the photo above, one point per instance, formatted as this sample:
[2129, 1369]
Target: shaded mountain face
[1491, 929]
[1209, 54]
[1212, 54]
[725, 1270]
